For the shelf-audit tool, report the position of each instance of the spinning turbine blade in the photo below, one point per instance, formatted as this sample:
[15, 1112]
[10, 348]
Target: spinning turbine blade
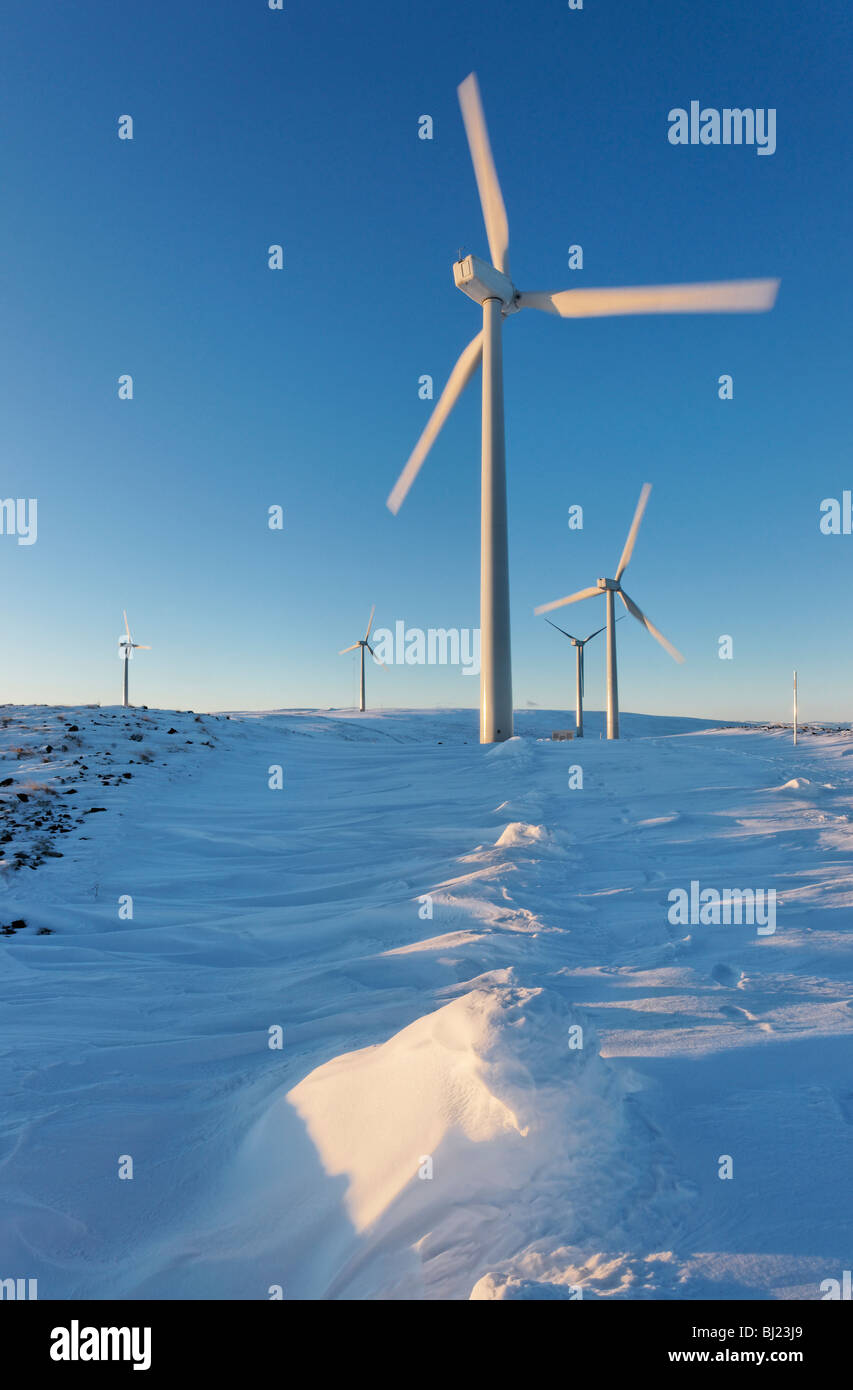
[344, 650]
[491, 199]
[126, 628]
[370, 622]
[462, 373]
[641, 617]
[718, 297]
[377, 659]
[632, 534]
[563, 630]
[572, 598]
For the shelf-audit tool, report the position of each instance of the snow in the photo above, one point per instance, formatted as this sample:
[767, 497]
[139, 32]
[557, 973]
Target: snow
[435, 926]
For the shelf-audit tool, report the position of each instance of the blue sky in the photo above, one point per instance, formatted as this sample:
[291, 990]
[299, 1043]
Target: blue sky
[300, 387]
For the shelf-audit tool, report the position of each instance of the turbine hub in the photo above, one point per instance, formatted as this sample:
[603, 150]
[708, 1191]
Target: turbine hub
[481, 281]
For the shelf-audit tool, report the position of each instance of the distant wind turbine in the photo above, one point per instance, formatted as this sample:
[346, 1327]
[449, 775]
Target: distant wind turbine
[362, 643]
[579, 643]
[490, 286]
[609, 587]
[126, 648]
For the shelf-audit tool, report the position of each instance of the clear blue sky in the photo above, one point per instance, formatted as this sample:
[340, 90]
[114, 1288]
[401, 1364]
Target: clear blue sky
[255, 387]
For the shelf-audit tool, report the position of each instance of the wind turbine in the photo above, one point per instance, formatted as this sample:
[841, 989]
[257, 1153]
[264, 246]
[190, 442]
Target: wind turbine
[609, 587]
[364, 642]
[579, 643]
[489, 285]
[126, 648]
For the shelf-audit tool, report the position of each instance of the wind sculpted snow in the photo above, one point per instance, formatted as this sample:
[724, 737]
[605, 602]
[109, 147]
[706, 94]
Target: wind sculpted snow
[505, 1070]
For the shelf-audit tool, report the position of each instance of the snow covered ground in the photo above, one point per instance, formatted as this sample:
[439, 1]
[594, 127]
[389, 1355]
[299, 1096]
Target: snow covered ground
[429, 1127]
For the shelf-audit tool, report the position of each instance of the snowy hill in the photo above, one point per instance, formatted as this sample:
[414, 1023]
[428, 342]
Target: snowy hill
[504, 1071]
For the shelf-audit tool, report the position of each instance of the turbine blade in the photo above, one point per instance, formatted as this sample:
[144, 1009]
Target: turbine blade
[491, 198]
[593, 634]
[141, 646]
[572, 598]
[377, 660]
[632, 534]
[641, 617]
[562, 629]
[344, 650]
[370, 622]
[126, 628]
[462, 373]
[717, 297]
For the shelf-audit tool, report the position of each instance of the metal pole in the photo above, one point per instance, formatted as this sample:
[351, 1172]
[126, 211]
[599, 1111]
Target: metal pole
[612, 691]
[495, 669]
[579, 692]
[124, 700]
[795, 709]
[361, 705]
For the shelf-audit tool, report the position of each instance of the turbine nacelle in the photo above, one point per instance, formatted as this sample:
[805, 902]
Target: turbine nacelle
[481, 281]
[605, 584]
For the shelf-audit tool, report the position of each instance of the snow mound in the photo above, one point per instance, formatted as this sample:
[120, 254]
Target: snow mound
[806, 786]
[478, 1108]
[378, 1114]
[518, 833]
[515, 748]
[494, 1286]
[542, 1273]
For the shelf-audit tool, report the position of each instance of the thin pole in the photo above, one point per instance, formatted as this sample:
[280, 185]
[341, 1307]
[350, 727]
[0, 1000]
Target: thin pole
[612, 690]
[496, 666]
[795, 709]
[579, 691]
[124, 700]
[361, 705]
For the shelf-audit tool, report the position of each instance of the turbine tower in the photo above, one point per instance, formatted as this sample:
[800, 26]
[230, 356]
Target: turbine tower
[126, 648]
[579, 643]
[364, 642]
[611, 587]
[490, 286]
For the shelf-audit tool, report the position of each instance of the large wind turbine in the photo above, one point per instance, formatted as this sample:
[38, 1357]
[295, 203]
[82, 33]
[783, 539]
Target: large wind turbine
[126, 648]
[364, 642]
[489, 284]
[609, 587]
[579, 643]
